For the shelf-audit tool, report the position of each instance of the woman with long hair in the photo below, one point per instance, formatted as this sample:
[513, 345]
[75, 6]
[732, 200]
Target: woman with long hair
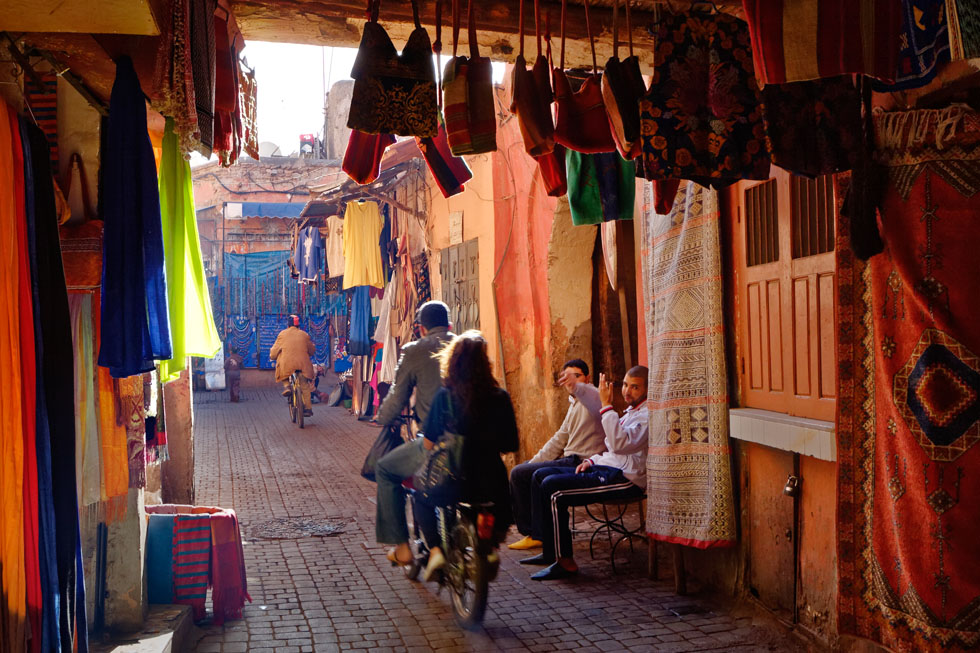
[472, 405]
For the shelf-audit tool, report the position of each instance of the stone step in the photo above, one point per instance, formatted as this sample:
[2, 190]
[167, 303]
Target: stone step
[168, 629]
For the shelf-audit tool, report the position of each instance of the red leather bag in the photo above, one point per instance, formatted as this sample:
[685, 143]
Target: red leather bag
[362, 159]
[581, 123]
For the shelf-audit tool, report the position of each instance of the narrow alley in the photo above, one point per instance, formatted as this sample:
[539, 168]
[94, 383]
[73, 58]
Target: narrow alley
[338, 592]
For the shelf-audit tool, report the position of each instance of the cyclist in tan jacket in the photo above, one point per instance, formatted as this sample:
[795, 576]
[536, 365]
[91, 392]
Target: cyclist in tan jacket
[292, 351]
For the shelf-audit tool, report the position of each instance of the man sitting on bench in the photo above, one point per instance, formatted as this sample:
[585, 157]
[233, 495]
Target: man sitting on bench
[618, 473]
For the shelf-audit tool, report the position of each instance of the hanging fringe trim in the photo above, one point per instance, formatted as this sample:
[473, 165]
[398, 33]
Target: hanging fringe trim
[906, 130]
[115, 509]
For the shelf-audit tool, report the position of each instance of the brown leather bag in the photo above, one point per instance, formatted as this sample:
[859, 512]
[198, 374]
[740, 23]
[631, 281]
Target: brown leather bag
[581, 123]
[622, 88]
[532, 96]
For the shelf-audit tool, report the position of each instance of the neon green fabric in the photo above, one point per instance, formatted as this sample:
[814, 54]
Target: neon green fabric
[191, 320]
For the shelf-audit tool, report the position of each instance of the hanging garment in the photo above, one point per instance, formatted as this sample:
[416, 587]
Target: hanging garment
[793, 40]
[249, 102]
[362, 256]
[689, 462]
[701, 118]
[581, 123]
[135, 319]
[814, 127]
[393, 94]
[309, 254]
[924, 45]
[174, 73]
[471, 126]
[202, 47]
[532, 95]
[43, 103]
[88, 455]
[192, 322]
[134, 419]
[964, 29]
[335, 246]
[450, 172]
[362, 158]
[359, 341]
[622, 88]
[384, 334]
[229, 43]
[601, 187]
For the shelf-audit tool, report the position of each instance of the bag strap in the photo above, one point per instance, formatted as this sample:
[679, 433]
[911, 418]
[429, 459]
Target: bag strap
[520, 26]
[615, 9]
[537, 25]
[373, 7]
[629, 27]
[588, 28]
[437, 49]
[471, 29]
[455, 10]
[564, 12]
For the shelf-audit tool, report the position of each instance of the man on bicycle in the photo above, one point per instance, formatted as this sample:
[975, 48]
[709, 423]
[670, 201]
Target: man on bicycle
[292, 351]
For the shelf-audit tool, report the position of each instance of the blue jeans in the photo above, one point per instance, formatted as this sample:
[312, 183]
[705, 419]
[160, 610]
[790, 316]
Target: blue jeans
[399, 464]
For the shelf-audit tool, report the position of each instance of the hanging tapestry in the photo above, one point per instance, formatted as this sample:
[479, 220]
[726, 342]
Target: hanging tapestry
[701, 118]
[132, 416]
[269, 327]
[241, 340]
[318, 326]
[964, 29]
[43, 104]
[908, 408]
[420, 271]
[793, 40]
[689, 461]
[249, 101]
[925, 45]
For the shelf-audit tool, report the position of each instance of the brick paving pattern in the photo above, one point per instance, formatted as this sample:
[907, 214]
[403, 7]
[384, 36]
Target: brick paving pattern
[339, 593]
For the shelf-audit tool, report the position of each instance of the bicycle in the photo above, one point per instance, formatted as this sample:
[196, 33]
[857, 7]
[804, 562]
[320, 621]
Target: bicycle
[295, 398]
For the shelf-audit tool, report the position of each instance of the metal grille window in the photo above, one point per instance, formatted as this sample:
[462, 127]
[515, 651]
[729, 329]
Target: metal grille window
[813, 215]
[761, 224]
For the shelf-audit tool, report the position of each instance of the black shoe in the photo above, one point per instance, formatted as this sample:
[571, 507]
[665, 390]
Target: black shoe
[540, 559]
[554, 572]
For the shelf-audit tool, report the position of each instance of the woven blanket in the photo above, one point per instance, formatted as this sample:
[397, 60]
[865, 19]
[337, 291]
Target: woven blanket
[689, 477]
[909, 395]
[228, 567]
[192, 555]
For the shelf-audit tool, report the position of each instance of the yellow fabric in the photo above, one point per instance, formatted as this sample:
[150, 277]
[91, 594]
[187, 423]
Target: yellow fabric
[292, 351]
[362, 251]
[13, 579]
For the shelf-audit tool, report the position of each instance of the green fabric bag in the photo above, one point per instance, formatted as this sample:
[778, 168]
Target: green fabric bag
[601, 187]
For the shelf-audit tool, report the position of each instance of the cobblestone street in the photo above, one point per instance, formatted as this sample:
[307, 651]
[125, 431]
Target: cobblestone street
[329, 593]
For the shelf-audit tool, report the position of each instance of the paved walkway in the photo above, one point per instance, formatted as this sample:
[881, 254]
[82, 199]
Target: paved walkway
[338, 592]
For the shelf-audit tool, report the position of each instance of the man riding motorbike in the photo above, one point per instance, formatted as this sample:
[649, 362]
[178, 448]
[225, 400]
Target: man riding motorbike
[292, 351]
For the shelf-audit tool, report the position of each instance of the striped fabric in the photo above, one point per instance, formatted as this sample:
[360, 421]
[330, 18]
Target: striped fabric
[43, 102]
[795, 40]
[964, 28]
[192, 555]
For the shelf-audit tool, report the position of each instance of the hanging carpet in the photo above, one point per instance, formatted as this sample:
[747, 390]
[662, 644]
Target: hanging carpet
[909, 394]
[689, 475]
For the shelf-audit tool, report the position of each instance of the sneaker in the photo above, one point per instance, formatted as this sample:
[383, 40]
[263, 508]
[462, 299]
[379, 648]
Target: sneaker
[527, 542]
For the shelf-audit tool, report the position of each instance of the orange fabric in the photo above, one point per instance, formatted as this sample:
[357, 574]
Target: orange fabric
[13, 605]
[112, 431]
[81, 254]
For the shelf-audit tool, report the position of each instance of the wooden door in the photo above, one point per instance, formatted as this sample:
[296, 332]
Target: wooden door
[460, 269]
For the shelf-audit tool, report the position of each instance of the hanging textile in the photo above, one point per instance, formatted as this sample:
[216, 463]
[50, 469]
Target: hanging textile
[135, 320]
[362, 256]
[249, 101]
[174, 73]
[88, 455]
[241, 340]
[384, 334]
[202, 50]
[420, 271]
[43, 104]
[228, 42]
[601, 187]
[192, 325]
[701, 118]
[318, 326]
[359, 342]
[909, 394]
[156, 418]
[689, 461]
[964, 29]
[924, 45]
[814, 127]
[793, 40]
[309, 255]
[133, 417]
[335, 246]
[393, 94]
[191, 559]
[471, 124]
[227, 566]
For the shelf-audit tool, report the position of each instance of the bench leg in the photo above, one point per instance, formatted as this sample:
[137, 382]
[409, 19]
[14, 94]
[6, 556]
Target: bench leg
[680, 575]
[652, 570]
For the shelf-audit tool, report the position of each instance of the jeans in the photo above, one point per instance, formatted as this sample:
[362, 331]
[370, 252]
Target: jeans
[520, 492]
[402, 462]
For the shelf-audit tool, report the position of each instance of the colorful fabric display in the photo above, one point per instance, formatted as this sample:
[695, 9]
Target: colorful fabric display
[622, 88]
[908, 352]
[362, 158]
[795, 40]
[450, 172]
[362, 256]
[393, 94]
[309, 254]
[601, 187]
[924, 45]
[203, 63]
[135, 317]
[471, 125]
[702, 117]
[814, 127]
[227, 112]
[964, 29]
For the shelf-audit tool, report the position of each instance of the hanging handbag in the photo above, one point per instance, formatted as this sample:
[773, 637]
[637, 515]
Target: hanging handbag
[622, 88]
[393, 94]
[467, 85]
[532, 97]
[388, 439]
[362, 159]
[438, 481]
[581, 123]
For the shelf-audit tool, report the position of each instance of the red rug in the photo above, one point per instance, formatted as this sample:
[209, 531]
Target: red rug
[909, 403]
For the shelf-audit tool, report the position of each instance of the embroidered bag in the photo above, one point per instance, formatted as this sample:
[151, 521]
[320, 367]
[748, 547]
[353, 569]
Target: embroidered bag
[438, 481]
[581, 123]
[622, 88]
[532, 99]
[393, 94]
[362, 158]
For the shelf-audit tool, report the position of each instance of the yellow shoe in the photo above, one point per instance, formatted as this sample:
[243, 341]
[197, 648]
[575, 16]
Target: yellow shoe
[527, 542]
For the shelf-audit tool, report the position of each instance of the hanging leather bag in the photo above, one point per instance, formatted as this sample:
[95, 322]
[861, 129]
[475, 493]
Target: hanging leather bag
[622, 88]
[552, 164]
[393, 94]
[532, 99]
[471, 123]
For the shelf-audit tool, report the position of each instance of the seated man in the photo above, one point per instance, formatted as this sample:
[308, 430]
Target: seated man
[578, 437]
[619, 473]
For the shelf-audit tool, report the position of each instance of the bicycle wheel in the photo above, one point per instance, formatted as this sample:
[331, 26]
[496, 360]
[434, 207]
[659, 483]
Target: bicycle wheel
[300, 406]
[469, 577]
[292, 407]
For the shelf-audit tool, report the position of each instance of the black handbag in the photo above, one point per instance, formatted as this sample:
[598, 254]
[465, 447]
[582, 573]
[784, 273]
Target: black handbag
[438, 481]
[389, 438]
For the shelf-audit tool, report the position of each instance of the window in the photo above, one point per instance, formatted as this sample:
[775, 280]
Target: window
[787, 356]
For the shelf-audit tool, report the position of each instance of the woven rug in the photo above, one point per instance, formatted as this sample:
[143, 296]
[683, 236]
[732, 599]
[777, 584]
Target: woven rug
[689, 479]
[909, 395]
[192, 561]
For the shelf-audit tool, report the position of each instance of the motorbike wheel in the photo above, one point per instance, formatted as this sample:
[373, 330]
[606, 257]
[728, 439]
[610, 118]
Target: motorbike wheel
[469, 576]
[292, 407]
[420, 554]
[300, 407]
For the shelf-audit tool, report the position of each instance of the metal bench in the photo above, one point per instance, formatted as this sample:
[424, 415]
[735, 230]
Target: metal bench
[610, 516]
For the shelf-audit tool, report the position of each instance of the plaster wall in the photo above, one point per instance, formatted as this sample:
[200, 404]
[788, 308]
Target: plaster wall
[78, 132]
[178, 471]
[126, 599]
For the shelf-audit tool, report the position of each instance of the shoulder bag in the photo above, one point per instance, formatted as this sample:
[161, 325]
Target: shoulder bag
[438, 481]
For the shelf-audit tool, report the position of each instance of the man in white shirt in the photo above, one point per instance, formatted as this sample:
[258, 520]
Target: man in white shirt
[579, 436]
[618, 473]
